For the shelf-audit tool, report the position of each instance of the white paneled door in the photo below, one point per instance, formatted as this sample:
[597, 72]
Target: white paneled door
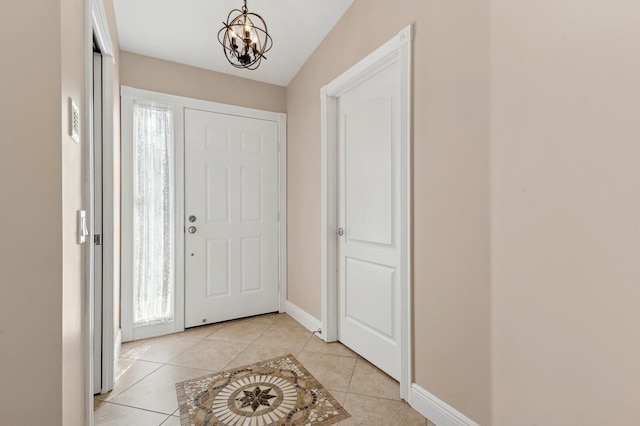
[369, 265]
[231, 217]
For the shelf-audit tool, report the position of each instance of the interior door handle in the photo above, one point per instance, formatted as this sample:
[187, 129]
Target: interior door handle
[192, 229]
[339, 232]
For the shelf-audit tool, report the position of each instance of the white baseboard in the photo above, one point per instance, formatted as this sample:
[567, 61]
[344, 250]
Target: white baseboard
[437, 411]
[307, 320]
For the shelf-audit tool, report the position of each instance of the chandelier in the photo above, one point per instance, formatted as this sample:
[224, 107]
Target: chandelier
[244, 38]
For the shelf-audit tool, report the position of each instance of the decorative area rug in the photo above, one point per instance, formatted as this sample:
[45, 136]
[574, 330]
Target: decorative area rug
[278, 391]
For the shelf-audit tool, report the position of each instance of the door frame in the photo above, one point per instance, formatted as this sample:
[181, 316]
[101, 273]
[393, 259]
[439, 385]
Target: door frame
[96, 219]
[96, 23]
[179, 104]
[399, 48]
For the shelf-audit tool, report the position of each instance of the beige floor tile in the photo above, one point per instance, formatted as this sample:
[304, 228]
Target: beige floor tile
[285, 320]
[130, 371]
[332, 371]
[242, 331]
[209, 355]
[369, 380]
[318, 345]
[127, 347]
[244, 320]
[108, 414]
[370, 411]
[339, 396]
[291, 338]
[267, 319]
[97, 403]
[162, 349]
[172, 421]
[157, 391]
[145, 388]
[255, 353]
[201, 331]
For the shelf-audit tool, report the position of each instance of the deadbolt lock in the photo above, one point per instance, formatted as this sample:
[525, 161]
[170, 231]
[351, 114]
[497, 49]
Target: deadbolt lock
[192, 218]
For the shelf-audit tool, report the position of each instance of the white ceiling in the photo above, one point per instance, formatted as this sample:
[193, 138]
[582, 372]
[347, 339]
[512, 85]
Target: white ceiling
[186, 31]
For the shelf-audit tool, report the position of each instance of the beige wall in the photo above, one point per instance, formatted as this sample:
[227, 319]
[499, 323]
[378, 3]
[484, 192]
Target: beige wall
[31, 224]
[451, 192]
[143, 72]
[564, 224]
[73, 259]
[42, 274]
[566, 212]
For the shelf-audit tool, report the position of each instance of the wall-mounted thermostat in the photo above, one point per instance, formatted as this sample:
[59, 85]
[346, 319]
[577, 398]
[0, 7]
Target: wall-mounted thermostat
[74, 121]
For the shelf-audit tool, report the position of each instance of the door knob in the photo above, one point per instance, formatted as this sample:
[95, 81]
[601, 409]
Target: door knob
[192, 229]
[340, 231]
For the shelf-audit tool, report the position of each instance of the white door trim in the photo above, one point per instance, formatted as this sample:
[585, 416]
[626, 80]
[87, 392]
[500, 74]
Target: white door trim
[96, 23]
[398, 48]
[282, 213]
[179, 104]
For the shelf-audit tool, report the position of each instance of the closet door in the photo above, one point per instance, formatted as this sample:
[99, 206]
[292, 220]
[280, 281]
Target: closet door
[369, 253]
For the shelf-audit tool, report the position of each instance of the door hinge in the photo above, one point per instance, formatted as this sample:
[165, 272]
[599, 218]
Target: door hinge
[97, 239]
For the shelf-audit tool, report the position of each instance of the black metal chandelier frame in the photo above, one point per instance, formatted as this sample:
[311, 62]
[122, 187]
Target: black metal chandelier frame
[245, 38]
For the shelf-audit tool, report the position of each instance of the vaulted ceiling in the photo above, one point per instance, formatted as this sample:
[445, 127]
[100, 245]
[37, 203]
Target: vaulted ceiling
[186, 31]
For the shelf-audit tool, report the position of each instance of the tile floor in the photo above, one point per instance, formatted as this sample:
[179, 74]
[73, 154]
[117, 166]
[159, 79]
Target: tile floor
[144, 394]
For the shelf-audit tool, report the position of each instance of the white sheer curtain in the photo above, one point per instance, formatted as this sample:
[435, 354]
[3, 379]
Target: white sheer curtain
[153, 216]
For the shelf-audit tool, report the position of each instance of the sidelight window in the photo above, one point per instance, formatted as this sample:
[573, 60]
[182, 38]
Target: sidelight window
[153, 214]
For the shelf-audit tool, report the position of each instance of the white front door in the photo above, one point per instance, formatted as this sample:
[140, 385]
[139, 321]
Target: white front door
[369, 262]
[231, 217]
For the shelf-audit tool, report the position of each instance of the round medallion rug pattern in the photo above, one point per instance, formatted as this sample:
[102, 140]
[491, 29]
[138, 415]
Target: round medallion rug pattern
[279, 391]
